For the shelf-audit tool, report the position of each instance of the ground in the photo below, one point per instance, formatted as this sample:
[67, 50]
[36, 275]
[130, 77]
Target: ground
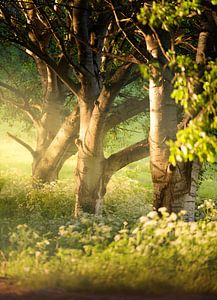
[9, 290]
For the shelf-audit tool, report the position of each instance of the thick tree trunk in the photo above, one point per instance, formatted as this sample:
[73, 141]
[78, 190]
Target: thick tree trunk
[90, 160]
[94, 173]
[54, 136]
[163, 123]
[90, 188]
[174, 187]
[47, 129]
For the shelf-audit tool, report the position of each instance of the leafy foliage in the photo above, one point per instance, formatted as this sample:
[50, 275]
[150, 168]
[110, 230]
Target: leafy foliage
[199, 138]
[167, 14]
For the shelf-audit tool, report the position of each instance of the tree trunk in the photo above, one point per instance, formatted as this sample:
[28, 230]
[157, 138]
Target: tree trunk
[51, 156]
[163, 124]
[190, 171]
[185, 189]
[94, 173]
[174, 187]
[54, 135]
[90, 188]
[90, 160]
[47, 129]
[93, 170]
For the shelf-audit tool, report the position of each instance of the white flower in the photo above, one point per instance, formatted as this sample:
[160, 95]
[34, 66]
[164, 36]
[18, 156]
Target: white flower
[171, 225]
[37, 254]
[135, 230]
[173, 217]
[162, 209]
[182, 213]
[143, 219]
[150, 223]
[152, 215]
[117, 237]
[193, 226]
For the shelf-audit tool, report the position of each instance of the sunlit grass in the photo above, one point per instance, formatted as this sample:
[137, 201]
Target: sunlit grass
[38, 235]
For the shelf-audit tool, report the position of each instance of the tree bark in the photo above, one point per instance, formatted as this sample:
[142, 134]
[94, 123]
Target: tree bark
[174, 187]
[163, 124]
[189, 180]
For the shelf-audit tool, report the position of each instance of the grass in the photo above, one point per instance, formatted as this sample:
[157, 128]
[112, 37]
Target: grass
[120, 250]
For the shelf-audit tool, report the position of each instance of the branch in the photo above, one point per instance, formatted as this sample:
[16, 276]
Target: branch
[120, 76]
[100, 29]
[25, 107]
[124, 111]
[25, 145]
[70, 84]
[131, 39]
[134, 76]
[126, 156]
[80, 26]
[31, 49]
[117, 81]
[58, 38]
[13, 90]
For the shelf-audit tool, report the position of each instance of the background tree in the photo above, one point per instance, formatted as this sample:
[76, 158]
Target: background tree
[75, 43]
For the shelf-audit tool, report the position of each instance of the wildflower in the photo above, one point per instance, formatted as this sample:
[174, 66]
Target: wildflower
[173, 217]
[143, 219]
[37, 254]
[152, 215]
[162, 210]
[135, 230]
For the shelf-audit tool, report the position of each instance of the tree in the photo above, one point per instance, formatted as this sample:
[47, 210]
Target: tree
[171, 30]
[74, 46]
[175, 180]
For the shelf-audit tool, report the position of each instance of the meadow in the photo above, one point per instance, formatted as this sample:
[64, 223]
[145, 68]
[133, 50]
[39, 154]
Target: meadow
[127, 248]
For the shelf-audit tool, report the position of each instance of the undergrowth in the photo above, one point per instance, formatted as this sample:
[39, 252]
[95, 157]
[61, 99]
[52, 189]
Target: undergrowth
[127, 248]
[155, 255]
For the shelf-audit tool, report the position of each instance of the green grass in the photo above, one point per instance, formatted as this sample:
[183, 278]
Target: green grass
[41, 245]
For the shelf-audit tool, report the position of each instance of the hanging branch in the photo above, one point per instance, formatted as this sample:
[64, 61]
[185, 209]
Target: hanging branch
[21, 142]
